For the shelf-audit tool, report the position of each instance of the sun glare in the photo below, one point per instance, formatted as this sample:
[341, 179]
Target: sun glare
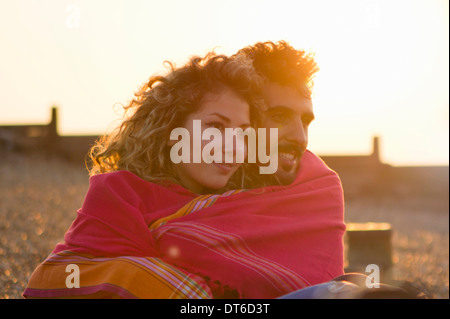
[381, 62]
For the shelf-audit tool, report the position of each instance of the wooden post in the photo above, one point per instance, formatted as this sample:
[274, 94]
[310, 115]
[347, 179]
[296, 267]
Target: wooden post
[51, 143]
[369, 243]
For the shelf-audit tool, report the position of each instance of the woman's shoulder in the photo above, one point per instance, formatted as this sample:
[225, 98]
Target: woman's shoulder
[127, 182]
[116, 176]
[119, 179]
[118, 184]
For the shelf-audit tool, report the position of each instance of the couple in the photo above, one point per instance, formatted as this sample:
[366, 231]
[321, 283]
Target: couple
[152, 228]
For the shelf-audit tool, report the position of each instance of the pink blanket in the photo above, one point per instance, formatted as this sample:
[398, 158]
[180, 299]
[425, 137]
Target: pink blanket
[260, 243]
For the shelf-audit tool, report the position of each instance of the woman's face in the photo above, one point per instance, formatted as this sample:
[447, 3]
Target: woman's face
[218, 110]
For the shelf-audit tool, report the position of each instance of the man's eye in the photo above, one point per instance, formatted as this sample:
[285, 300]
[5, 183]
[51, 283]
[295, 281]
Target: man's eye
[279, 117]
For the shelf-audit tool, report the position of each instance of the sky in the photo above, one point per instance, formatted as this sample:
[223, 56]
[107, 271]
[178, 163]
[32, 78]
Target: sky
[384, 65]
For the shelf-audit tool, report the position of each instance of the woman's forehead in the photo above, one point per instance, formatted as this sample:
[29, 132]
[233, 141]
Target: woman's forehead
[224, 104]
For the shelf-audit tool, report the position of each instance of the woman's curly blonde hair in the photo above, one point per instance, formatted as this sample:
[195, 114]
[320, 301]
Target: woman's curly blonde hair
[139, 144]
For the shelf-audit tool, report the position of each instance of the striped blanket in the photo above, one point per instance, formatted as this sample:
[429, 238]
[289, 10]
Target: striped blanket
[110, 278]
[135, 239]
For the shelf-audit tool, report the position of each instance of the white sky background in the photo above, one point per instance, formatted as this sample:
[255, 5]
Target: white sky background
[384, 64]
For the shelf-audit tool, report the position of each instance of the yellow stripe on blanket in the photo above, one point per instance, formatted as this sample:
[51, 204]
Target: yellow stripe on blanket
[194, 205]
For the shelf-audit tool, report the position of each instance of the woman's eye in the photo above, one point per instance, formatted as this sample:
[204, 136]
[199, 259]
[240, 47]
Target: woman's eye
[216, 125]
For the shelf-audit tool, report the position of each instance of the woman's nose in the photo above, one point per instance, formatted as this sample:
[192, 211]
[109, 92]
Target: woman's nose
[235, 149]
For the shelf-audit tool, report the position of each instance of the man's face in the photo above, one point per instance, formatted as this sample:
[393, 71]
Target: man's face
[291, 113]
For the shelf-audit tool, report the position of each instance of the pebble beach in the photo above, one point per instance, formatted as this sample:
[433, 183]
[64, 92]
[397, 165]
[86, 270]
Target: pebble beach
[39, 198]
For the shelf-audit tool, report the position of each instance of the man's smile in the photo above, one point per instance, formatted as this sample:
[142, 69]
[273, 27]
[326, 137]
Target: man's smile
[289, 156]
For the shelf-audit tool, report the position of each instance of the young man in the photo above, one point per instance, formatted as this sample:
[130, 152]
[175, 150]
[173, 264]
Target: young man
[288, 74]
[287, 95]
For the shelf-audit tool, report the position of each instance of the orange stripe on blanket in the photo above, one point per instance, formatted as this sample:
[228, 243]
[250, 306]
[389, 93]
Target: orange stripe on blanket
[121, 277]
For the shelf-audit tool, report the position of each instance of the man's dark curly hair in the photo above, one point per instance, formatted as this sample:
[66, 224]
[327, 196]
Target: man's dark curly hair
[280, 63]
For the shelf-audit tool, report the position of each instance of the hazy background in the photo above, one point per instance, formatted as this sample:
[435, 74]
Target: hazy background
[384, 71]
[384, 64]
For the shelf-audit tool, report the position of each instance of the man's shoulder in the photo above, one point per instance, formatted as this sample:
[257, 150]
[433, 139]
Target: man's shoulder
[312, 167]
[312, 164]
